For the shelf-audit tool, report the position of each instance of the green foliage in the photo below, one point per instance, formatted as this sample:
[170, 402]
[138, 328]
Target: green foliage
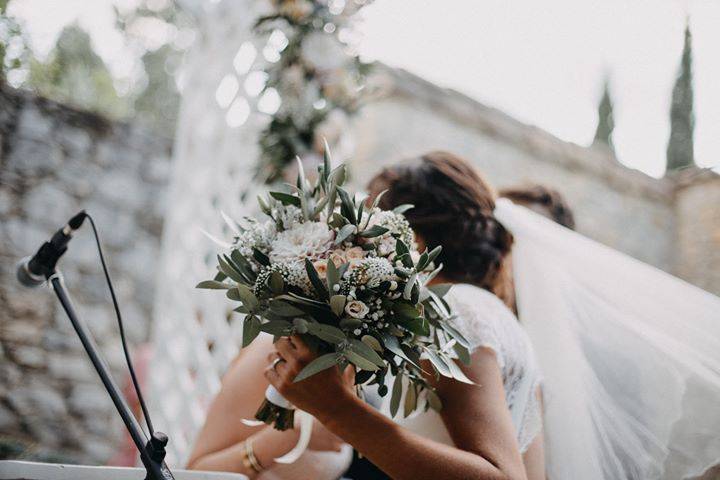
[15, 52]
[606, 119]
[74, 74]
[680, 149]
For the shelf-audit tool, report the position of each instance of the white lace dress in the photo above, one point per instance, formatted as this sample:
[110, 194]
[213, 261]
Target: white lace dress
[486, 322]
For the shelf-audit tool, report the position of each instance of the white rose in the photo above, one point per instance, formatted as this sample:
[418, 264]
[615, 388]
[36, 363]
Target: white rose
[356, 309]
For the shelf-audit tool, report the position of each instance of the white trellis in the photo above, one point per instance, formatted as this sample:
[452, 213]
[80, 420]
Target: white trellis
[215, 150]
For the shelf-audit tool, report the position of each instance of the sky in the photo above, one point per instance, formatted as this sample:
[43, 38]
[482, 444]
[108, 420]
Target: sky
[543, 62]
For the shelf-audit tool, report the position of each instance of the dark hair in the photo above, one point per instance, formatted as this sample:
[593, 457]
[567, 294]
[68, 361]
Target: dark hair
[453, 207]
[548, 199]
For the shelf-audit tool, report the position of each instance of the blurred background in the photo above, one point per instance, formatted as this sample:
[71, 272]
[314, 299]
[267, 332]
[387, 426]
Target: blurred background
[155, 115]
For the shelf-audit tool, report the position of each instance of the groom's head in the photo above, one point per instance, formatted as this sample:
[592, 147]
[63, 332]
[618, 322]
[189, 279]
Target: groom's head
[544, 200]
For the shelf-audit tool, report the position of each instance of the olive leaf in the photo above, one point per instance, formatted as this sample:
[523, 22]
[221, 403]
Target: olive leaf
[372, 342]
[366, 352]
[332, 276]
[248, 298]
[374, 231]
[403, 208]
[286, 198]
[251, 329]
[410, 400]
[278, 328]
[317, 284]
[433, 399]
[344, 233]
[327, 332]
[458, 374]
[337, 304]
[323, 362]
[229, 270]
[213, 285]
[359, 361]
[276, 283]
[396, 394]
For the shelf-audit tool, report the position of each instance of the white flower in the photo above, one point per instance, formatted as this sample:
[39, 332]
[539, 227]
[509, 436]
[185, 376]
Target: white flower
[310, 240]
[324, 51]
[356, 309]
[255, 235]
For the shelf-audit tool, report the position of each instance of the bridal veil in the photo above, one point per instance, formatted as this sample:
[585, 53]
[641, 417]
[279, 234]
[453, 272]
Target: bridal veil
[630, 356]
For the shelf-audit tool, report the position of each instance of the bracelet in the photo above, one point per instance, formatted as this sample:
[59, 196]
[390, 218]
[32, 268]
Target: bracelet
[249, 459]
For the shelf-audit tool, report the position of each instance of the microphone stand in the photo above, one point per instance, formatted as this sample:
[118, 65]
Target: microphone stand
[152, 451]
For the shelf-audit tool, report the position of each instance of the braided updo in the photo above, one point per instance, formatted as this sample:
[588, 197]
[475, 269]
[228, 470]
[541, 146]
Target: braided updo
[453, 207]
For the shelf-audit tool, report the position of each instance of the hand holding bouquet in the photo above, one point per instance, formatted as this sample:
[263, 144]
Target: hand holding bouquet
[346, 278]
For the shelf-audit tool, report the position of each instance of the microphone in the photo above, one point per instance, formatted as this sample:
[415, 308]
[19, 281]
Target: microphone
[34, 270]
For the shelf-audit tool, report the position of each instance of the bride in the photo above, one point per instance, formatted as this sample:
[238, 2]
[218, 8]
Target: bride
[622, 381]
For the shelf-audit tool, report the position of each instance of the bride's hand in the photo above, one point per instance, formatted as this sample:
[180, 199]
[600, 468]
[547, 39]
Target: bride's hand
[319, 394]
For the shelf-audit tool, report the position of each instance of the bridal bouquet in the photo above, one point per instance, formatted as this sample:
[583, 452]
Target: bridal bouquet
[348, 279]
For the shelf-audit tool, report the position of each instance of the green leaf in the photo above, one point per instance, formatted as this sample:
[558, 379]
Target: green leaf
[347, 208]
[286, 198]
[376, 202]
[219, 277]
[417, 325]
[213, 285]
[458, 374]
[338, 175]
[349, 323]
[440, 289]
[337, 304]
[279, 328]
[248, 298]
[233, 294]
[366, 352]
[301, 325]
[433, 399]
[405, 310]
[284, 309]
[401, 248]
[317, 284]
[327, 332]
[434, 254]
[374, 231]
[260, 257]
[407, 291]
[462, 353]
[337, 220]
[410, 400]
[230, 271]
[391, 343]
[403, 208]
[438, 362]
[396, 395]
[344, 233]
[454, 333]
[360, 361]
[242, 265]
[332, 277]
[251, 329]
[422, 261]
[323, 362]
[372, 342]
[276, 283]
[263, 205]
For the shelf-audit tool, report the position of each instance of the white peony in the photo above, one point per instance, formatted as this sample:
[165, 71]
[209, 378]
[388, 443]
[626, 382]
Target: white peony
[310, 240]
[356, 309]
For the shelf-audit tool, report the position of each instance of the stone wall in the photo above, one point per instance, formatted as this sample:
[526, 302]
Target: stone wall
[53, 162]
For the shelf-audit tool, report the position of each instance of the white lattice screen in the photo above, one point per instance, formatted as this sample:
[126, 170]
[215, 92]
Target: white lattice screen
[215, 151]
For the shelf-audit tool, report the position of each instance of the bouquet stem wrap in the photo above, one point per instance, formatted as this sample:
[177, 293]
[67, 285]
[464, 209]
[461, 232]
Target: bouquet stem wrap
[278, 412]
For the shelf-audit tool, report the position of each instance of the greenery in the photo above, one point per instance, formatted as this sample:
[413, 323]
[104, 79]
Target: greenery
[680, 149]
[74, 74]
[14, 48]
[606, 119]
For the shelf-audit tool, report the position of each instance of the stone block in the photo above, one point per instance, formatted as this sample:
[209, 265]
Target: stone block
[90, 400]
[50, 205]
[34, 157]
[32, 357]
[37, 399]
[34, 124]
[74, 368]
[122, 190]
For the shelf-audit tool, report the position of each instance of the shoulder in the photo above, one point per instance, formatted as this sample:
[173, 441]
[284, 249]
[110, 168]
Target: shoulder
[464, 297]
[483, 319]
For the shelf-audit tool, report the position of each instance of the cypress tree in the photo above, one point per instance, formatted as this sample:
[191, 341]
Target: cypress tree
[680, 151]
[606, 119]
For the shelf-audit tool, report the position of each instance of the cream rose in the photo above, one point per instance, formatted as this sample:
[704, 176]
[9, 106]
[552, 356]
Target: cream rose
[321, 268]
[355, 253]
[338, 257]
[356, 309]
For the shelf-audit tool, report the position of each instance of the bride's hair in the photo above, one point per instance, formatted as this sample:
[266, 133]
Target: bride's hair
[453, 207]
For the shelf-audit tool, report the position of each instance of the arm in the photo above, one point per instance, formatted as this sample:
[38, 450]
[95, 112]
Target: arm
[220, 444]
[476, 417]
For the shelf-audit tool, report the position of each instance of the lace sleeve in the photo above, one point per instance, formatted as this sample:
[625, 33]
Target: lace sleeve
[480, 317]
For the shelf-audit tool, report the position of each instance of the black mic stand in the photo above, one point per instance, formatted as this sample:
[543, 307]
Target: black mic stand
[152, 451]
